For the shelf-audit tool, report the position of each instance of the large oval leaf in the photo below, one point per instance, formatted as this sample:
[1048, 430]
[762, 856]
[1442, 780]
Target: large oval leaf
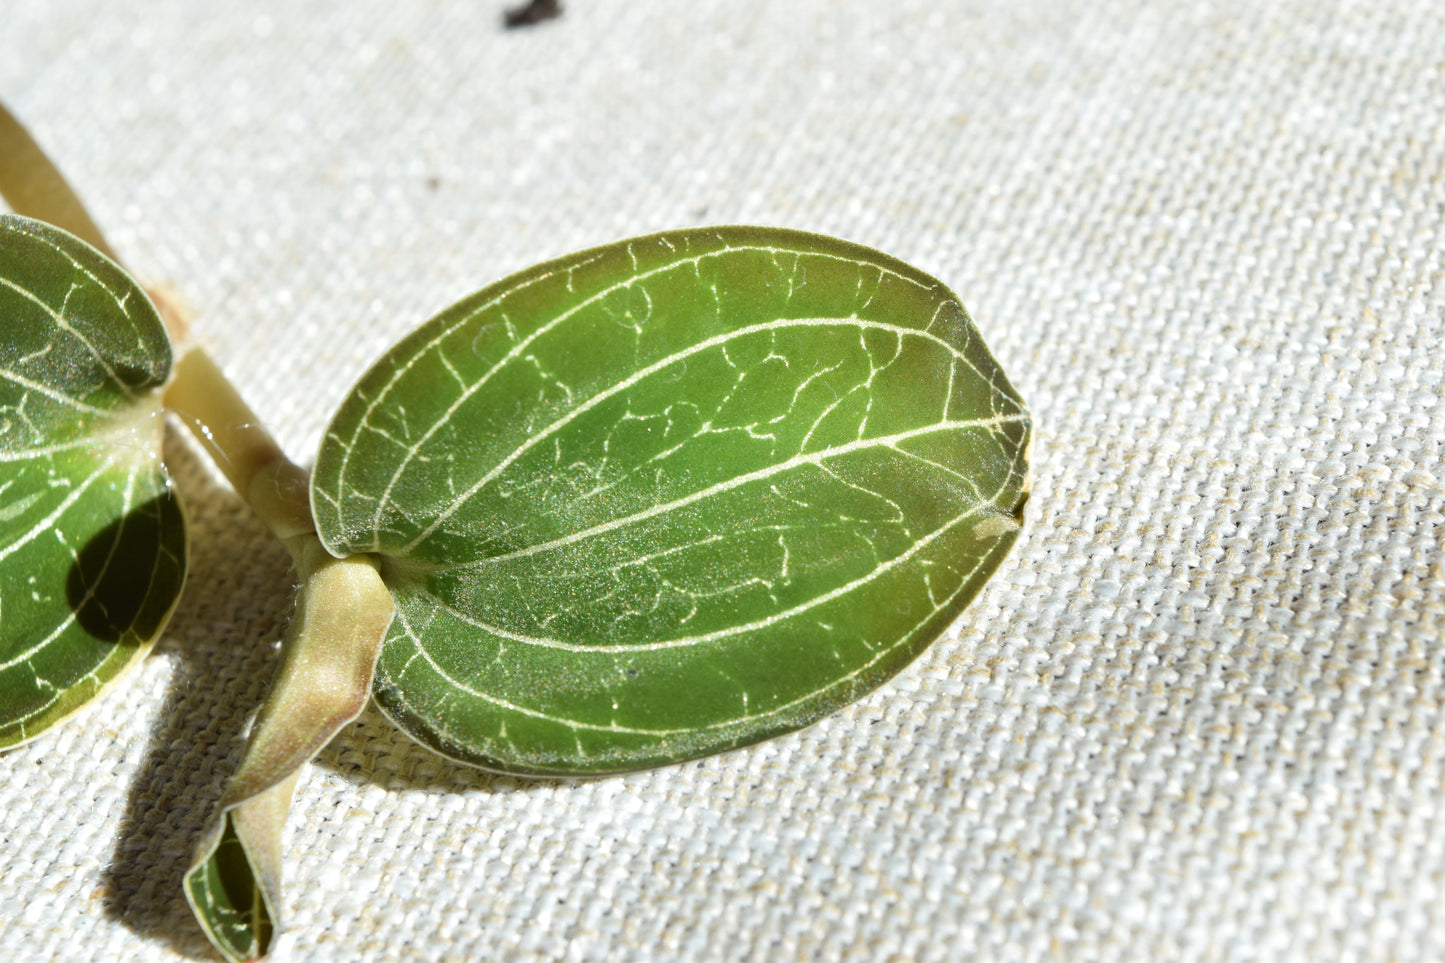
[92, 540]
[670, 496]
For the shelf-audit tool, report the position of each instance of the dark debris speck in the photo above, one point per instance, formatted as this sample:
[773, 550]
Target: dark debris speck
[533, 12]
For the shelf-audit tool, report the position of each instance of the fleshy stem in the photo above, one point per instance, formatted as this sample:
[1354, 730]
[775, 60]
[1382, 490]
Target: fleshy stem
[329, 652]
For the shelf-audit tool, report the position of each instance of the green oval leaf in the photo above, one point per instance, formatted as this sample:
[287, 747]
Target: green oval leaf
[92, 540]
[671, 496]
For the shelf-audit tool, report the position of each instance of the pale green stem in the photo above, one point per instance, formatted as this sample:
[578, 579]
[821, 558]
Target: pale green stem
[209, 405]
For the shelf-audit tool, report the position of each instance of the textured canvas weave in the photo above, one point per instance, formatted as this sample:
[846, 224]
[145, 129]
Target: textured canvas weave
[1199, 714]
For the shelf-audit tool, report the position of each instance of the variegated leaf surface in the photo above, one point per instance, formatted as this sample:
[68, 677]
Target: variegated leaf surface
[670, 496]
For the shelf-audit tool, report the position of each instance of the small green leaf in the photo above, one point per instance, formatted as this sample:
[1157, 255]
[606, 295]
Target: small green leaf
[671, 496]
[327, 661]
[92, 539]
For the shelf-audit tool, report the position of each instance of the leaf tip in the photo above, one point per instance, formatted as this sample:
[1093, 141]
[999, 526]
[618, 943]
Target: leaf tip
[996, 525]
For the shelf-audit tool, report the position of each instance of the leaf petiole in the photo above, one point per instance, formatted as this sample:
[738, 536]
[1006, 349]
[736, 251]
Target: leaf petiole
[200, 395]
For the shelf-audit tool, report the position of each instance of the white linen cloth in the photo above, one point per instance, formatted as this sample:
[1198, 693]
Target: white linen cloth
[1197, 715]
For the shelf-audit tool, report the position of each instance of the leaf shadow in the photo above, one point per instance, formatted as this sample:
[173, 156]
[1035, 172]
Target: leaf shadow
[223, 641]
[125, 576]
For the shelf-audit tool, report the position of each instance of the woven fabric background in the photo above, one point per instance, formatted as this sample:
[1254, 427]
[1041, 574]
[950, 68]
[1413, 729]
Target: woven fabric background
[1198, 714]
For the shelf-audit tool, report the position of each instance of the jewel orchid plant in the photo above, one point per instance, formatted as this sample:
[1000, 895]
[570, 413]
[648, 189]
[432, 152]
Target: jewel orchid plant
[632, 506]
